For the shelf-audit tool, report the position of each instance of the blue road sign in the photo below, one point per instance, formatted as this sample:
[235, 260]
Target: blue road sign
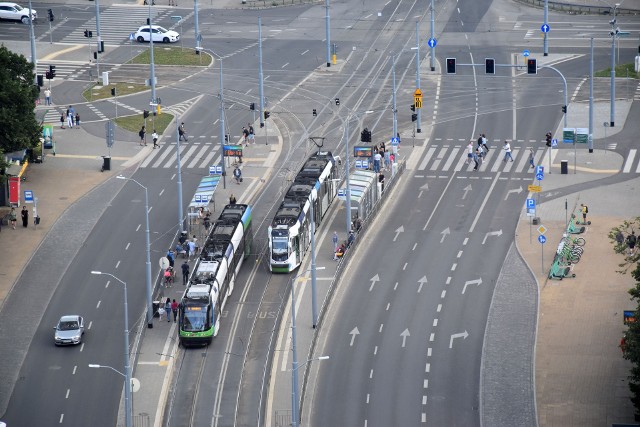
[539, 170]
[28, 196]
[525, 52]
[554, 142]
[395, 141]
[132, 37]
[531, 203]
[542, 239]
[545, 28]
[432, 42]
[539, 176]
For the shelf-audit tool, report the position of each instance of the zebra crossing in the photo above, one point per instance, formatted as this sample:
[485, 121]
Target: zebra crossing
[66, 70]
[117, 22]
[192, 156]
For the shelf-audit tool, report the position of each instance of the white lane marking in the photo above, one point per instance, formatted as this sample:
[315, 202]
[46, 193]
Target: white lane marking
[368, 397]
[98, 306]
[89, 327]
[443, 294]
[453, 267]
[61, 418]
[138, 227]
[304, 52]
[74, 370]
[425, 383]
[448, 280]
[285, 65]
[439, 308]
[126, 248]
[432, 337]
[380, 329]
[459, 254]
[117, 264]
[375, 351]
[464, 242]
[427, 367]
[429, 352]
[107, 285]
[484, 202]
[371, 374]
[388, 305]
[435, 322]
[404, 267]
[627, 165]
[67, 395]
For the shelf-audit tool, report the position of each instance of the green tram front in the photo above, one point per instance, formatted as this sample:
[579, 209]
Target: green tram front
[199, 317]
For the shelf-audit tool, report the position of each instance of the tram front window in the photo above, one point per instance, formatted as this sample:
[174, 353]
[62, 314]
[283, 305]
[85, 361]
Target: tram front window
[194, 318]
[280, 248]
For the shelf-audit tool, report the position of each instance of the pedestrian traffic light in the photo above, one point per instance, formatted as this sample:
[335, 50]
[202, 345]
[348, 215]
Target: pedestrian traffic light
[88, 34]
[113, 91]
[50, 12]
[413, 107]
[414, 117]
[149, 23]
[315, 113]
[490, 66]
[252, 106]
[337, 101]
[101, 46]
[451, 65]
[145, 114]
[564, 109]
[532, 66]
[363, 136]
[95, 55]
[266, 115]
[226, 137]
[548, 138]
[40, 80]
[47, 75]
[52, 71]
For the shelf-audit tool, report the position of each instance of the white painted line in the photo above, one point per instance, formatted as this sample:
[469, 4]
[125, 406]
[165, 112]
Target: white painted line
[375, 350]
[74, 370]
[484, 202]
[117, 264]
[443, 294]
[371, 374]
[138, 227]
[425, 383]
[629, 162]
[61, 418]
[448, 280]
[89, 327]
[126, 248]
[98, 306]
[423, 416]
[381, 326]
[439, 158]
[429, 352]
[464, 242]
[459, 254]
[439, 308]
[198, 157]
[431, 338]
[67, 395]
[427, 367]
[368, 397]
[453, 267]
[454, 155]
[427, 157]
[435, 322]
[388, 305]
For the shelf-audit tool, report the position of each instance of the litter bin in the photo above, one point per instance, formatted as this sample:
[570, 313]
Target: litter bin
[106, 163]
[155, 306]
[564, 167]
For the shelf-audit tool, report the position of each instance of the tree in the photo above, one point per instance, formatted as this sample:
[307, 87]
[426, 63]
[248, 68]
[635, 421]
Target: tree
[20, 129]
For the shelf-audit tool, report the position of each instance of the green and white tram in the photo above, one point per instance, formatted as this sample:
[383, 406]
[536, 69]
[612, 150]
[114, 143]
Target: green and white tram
[290, 230]
[227, 246]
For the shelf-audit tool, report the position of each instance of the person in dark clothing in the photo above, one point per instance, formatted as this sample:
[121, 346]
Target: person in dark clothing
[185, 272]
[232, 199]
[25, 216]
[631, 242]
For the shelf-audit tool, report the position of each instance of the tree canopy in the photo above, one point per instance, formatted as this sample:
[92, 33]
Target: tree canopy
[18, 93]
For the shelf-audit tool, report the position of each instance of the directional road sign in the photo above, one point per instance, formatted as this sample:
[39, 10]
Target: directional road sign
[432, 42]
[542, 239]
[534, 188]
[525, 52]
[417, 98]
[545, 28]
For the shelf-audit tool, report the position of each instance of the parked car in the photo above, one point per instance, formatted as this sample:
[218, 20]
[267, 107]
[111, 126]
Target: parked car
[69, 330]
[159, 34]
[15, 12]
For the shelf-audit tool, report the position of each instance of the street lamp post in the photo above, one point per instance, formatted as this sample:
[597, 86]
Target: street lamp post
[148, 245]
[127, 367]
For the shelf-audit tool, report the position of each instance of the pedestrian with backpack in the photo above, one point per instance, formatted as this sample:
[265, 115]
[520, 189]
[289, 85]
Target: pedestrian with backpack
[237, 174]
[585, 210]
[142, 134]
[631, 242]
[182, 132]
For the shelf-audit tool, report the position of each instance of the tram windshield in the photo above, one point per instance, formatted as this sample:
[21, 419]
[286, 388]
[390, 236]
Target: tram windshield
[194, 318]
[280, 245]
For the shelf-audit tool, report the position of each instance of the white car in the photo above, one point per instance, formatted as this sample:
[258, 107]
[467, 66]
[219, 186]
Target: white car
[69, 330]
[159, 34]
[15, 12]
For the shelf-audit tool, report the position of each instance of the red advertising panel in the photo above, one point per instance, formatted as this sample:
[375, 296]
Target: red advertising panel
[14, 190]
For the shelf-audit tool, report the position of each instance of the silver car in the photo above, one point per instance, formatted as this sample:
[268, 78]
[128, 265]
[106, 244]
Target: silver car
[69, 330]
[15, 12]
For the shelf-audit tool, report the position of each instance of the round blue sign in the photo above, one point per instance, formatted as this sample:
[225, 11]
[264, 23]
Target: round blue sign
[545, 28]
[432, 42]
[525, 52]
[542, 239]
[539, 177]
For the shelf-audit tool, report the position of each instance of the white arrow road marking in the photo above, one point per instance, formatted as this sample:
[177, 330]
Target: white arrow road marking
[423, 189]
[353, 334]
[477, 282]
[444, 233]
[492, 233]
[466, 190]
[421, 282]
[551, 194]
[516, 190]
[373, 280]
[398, 231]
[463, 335]
[404, 336]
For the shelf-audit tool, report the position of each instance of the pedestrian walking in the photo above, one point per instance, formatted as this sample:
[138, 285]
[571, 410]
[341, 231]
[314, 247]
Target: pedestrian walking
[335, 239]
[170, 257]
[479, 156]
[12, 217]
[507, 152]
[469, 153]
[245, 135]
[47, 96]
[182, 132]
[154, 136]
[376, 162]
[25, 216]
[167, 309]
[232, 199]
[71, 115]
[237, 174]
[63, 120]
[185, 272]
[484, 142]
[196, 245]
[251, 133]
[77, 120]
[187, 248]
[143, 134]
[207, 222]
[381, 182]
[619, 238]
[531, 158]
[585, 210]
[192, 248]
[351, 238]
[476, 159]
[631, 242]
[174, 309]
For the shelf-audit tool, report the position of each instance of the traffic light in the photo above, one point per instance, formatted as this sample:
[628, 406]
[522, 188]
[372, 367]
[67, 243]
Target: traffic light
[266, 115]
[532, 66]
[47, 75]
[52, 71]
[365, 135]
[40, 80]
[252, 106]
[95, 55]
[548, 138]
[490, 66]
[413, 107]
[414, 117]
[451, 65]
[50, 12]
[226, 137]
[149, 23]
[101, 46]
[315, 113]
[113, 91]
[145, 114]
[337, 101]
[88, 34]
[564, 109]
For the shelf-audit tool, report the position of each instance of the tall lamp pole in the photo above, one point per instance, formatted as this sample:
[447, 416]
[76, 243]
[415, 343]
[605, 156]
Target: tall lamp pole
[127, 367]
[152, 69]
[32, 39]
[180, 213]
[148, 250]
[327, 29]
[614, 32]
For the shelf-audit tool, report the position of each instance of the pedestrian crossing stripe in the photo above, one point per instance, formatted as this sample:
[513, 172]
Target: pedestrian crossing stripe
[181, 108]
[191, 156]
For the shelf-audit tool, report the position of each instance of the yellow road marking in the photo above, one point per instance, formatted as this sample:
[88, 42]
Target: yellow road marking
[60, 52]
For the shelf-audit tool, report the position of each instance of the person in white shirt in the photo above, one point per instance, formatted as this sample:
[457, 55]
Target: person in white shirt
[469, 153]
[507, 152]
[154, 136]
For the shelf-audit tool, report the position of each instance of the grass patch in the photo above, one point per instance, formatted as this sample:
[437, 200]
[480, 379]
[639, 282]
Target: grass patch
[621, 71]
[174, 55]
[135, 122]
[100, 92]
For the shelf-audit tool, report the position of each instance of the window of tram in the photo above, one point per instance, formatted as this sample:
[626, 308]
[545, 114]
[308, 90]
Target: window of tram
[195, 318]
[280, 248]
